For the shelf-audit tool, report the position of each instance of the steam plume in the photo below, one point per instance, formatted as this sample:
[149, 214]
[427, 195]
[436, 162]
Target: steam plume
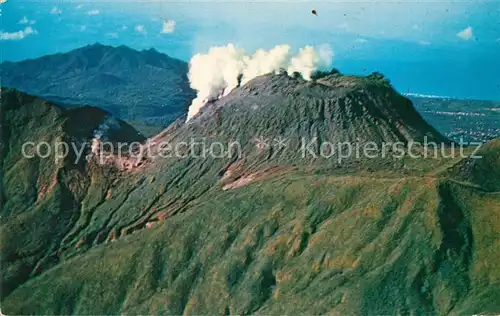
[216, 73]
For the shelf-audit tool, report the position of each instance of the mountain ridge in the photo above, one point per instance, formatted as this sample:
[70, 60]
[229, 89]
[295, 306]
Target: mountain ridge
[166, 94]
[133, 85]
[40, 192]
[265, 231]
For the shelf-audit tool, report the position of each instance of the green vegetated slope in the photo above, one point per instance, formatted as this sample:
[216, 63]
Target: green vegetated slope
[308, 244]
[485, 171]
[271, 232]
[40, 197]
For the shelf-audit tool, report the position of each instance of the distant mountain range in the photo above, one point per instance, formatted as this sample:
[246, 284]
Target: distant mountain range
[150, 90]
[145, 86]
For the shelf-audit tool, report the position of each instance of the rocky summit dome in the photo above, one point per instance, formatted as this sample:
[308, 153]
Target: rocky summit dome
[333, 107]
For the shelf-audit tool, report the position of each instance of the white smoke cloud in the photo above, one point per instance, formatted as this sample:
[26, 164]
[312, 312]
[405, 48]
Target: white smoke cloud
[263, 62]
[212, 73]
[215, 74]
[308, 60]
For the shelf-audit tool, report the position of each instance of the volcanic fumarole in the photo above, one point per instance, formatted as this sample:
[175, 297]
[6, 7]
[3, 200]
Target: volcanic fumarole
[216, 73]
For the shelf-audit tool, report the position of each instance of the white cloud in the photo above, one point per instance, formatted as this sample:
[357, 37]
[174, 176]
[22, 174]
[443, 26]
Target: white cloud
[78, 7]
[25, 20]
[83, 28]
[140, 29]
[3, 1]
[465, 34]
[124, 27]
[55, 10]
[93, 12]
[168, 27]
[344, 26]
[112, 35]
[424, 43]
[18, 35]
[361, 40]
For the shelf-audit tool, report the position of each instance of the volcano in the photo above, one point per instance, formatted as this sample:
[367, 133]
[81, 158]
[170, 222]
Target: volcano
[262, 230]
[335, 107]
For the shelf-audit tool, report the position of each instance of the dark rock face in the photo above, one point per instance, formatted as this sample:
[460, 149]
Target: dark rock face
[133, 85]
[331, 110]
[337, 108]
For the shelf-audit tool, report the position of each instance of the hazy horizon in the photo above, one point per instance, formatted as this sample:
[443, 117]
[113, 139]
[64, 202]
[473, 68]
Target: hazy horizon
[448, 48]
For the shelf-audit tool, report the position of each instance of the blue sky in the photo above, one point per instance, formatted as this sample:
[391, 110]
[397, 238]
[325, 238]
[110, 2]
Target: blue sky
[448, 48]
